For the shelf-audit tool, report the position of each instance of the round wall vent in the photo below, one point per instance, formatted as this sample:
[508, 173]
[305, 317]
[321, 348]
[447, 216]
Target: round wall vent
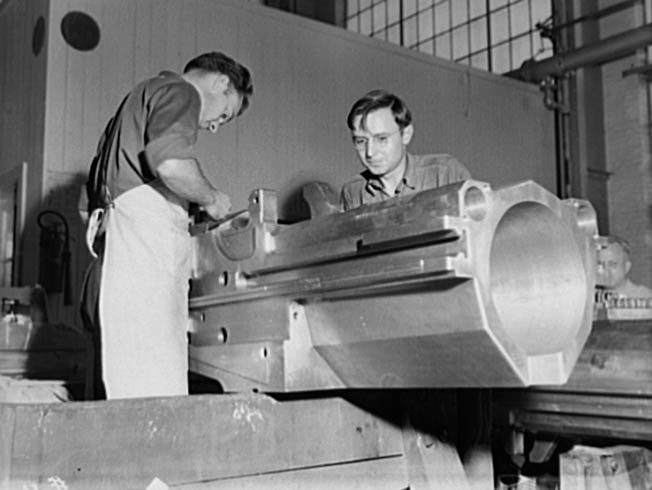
[80, 31]
[38, 36]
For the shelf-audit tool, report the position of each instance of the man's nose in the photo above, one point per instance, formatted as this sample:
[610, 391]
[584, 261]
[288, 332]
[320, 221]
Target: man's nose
[370, 147]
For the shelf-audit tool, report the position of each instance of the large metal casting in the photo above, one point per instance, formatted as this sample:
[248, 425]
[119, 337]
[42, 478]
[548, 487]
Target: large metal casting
[461, 286]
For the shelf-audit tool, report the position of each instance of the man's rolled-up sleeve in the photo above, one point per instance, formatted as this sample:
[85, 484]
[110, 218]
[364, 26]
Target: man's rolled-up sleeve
[172, 125]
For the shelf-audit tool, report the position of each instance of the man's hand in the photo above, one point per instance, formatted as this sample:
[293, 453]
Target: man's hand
[220, 206]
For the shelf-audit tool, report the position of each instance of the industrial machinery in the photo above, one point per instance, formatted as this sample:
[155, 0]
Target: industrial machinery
[460, 286]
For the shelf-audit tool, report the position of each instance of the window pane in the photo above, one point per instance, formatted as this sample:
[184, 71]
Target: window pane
[520, 17]
[409, 7]
[546, 48]
[478, 8]
[427, 46]
[425, 25]
[393, 12]
[479, 34]
[460, 42]
[442, 18]
[498, 3]
[541, 10]
[351, 7]
[499, 27]
[410, 32]
[394, 34]
[380, 22]
[500, 59]
[443, 46]
[482, 33]
[541, 46]
[365, 22]
[460, 13]
[479, 60]
[521, 50]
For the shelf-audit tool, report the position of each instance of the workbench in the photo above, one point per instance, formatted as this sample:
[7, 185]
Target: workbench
[228, 441]
[608, 394]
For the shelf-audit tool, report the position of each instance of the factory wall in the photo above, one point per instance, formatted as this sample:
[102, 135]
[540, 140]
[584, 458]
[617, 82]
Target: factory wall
[306, 76]
[627, 144]
[23, 65]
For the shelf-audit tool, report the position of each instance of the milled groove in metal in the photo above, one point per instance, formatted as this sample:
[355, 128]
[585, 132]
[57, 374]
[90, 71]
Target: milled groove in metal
[431, 206]
[369, 243]
[309, 286]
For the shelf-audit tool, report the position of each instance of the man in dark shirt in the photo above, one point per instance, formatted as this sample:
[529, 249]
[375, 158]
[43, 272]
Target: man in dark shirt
[142, 179]
[381, 129]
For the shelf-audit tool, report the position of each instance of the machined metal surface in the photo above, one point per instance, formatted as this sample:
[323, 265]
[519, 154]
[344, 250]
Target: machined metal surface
[458, 286]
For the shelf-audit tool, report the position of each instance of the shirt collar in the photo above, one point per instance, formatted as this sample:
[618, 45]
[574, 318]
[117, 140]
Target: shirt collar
[409, 177]
[373, 184]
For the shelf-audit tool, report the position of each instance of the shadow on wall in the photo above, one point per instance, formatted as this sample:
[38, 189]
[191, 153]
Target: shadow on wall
[62, 255]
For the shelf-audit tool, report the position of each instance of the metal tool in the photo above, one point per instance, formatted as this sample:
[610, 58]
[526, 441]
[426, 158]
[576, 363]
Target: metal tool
[203, 222]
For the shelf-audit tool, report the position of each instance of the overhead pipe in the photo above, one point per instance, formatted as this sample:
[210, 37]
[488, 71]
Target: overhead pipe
[602, 51]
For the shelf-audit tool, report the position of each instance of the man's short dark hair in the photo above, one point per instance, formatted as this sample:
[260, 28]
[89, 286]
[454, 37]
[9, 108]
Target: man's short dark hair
[216, 62]
[379, 99]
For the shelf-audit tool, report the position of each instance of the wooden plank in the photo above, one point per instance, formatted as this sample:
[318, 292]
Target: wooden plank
[617, 358]
[570, 424]
[7, 428]
[609, 392]
[181, 440]
[582, 403]
[375, 474]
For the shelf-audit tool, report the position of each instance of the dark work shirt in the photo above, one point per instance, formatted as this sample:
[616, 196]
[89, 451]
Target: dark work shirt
[422, 172]
[157, 120]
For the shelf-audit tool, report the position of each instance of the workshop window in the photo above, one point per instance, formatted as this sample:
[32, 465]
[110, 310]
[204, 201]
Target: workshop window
[493, 35]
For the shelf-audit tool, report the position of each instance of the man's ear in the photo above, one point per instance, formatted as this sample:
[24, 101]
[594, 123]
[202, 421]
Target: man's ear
[628, 266]
[220, 83]
[408, 132]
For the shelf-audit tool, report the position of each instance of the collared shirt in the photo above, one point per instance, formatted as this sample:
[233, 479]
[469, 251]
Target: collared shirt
[157, 120]
[421, 172]
[632, 290]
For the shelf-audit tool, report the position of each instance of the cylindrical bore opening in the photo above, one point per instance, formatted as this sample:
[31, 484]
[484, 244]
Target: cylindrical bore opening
[538, 281]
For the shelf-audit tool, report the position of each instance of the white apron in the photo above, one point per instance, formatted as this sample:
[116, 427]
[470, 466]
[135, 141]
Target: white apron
[143, 303]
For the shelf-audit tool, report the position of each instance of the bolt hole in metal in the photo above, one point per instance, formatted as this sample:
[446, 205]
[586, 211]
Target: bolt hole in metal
[538, 281]
[224, 278]
[475, 203]
[222, 335]
[264, 353]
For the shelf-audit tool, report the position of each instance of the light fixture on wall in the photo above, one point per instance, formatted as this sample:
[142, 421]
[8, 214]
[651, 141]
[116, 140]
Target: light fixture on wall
[80, 31]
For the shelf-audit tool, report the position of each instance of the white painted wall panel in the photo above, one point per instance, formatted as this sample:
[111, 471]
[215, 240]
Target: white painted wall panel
[22, 96]
[306, 76]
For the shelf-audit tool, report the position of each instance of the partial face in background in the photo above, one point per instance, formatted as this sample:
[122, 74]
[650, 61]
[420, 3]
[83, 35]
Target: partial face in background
[381, 144]
[221, 104]
[613, 266]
